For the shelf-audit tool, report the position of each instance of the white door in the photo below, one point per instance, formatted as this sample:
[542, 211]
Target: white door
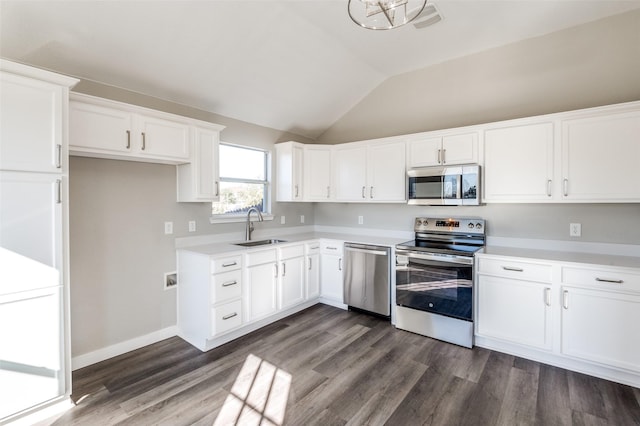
[291, 282]
[386, 175]
[460, 149]
[600, 157]
[331, 278]
[30, 231]
[98, 129]
[514, 311]
[161, 138]
[518, 164]
[312, 279]
[601, 327]
[261, 290]
[31, 123]
[317, 173]
[350, 168]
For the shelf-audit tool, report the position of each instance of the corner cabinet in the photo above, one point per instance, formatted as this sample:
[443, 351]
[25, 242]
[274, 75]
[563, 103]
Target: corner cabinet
[34, 247]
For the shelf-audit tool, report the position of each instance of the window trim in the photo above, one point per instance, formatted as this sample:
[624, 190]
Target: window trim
[230, 218]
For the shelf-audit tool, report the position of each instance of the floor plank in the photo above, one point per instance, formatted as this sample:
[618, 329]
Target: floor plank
[327, 366]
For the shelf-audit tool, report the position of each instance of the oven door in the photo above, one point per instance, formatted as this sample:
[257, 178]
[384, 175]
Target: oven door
[435, 186]
[435, 283]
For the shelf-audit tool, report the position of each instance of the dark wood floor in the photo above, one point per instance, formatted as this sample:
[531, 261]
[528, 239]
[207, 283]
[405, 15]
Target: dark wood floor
[326, 366]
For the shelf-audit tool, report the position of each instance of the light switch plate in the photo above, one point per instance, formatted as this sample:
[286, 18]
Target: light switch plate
[168, 228]
[192, 226]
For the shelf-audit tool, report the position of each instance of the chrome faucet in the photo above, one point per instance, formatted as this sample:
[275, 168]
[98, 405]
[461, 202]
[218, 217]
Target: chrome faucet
[249, 228]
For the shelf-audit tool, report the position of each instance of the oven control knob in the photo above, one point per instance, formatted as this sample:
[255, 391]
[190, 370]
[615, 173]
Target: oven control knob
[470, 225]
[478, 225]
[431, 305]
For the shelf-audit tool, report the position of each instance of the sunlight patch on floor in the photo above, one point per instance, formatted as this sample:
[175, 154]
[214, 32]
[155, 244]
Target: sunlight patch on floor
[258, 397]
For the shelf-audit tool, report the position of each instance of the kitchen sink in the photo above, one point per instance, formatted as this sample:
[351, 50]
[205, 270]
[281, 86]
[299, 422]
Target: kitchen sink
[259, 243]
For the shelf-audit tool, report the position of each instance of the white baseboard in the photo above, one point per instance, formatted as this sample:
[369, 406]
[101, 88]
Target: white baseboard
[84, 360]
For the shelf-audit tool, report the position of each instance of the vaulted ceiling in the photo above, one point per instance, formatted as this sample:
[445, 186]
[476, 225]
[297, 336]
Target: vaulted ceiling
[290, 65]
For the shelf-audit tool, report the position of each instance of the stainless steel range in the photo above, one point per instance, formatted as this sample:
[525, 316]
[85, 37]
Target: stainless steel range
[434, 278]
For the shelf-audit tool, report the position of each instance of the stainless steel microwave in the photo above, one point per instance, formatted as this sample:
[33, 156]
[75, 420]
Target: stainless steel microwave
[444, 186]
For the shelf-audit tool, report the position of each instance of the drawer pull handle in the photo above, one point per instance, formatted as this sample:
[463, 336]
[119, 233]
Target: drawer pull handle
[332, 248]
[604, 280]
[226, 265]
[512, 268]
[226, 317]
[229, 283]
[547, 296]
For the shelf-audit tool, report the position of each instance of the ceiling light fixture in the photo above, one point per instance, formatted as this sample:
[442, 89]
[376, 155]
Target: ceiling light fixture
[384, 14]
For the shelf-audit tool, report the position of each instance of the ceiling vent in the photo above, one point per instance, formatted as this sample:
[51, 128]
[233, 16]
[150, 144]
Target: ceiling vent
[429, 16]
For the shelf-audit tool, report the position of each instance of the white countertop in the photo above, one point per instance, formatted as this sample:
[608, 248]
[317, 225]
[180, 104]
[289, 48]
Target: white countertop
[564, 256]
[229, 247]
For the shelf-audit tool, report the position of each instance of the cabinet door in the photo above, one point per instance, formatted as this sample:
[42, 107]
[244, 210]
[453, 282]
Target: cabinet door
[317, 173]
[601, 326]
[161, 138]
[600, 157]
[514, 311]
[460, 149]
[98, 129]
[31, 125]
[30, 231]
[312, 278]
[518, 164]
[386, 174]
[261, 290]
[424, 151]
[351, 172]
[289, 171]
[291, 282]
[198, 181]
[331, 280]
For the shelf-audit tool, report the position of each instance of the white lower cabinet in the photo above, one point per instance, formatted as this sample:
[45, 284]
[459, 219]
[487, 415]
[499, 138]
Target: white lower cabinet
[331, 279]
[600, 317]
[312, 270]
[575, 315]
[261, 284]
[291, 281]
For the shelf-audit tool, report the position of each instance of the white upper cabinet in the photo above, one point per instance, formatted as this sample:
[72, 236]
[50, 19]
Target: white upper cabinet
[317, 160]
[289, 166]
[199, 180]
[32, 113]
[370, 172]
[429, 149]
[519, 163]
[108, 129]
[601, 157]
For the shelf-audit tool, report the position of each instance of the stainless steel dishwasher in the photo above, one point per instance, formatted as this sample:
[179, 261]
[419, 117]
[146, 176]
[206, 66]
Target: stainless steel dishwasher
[366, 278]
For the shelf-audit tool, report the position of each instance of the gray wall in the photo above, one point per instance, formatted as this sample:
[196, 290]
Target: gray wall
[589, 65]
[119, 252]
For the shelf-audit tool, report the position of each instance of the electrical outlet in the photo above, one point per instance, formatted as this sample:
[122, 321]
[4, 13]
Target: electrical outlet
[575, 229]
[192, 226]
[168, 228]
[170, 280]
[301, 218]
[360, 220]
[283, 220]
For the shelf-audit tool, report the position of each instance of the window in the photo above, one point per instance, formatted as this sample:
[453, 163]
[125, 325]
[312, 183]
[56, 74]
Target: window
[244, 181]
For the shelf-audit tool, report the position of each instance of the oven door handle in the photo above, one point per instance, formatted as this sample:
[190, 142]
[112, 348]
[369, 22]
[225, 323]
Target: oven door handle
[461, 260]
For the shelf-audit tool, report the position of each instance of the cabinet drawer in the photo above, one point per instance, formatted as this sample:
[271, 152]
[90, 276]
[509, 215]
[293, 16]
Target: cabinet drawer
[227, 285]
[291, 252]
[225, 264]
[226, 317]
[609, 279]
[313, 247]
[262, 256]
[519, 270]
[331, 247]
